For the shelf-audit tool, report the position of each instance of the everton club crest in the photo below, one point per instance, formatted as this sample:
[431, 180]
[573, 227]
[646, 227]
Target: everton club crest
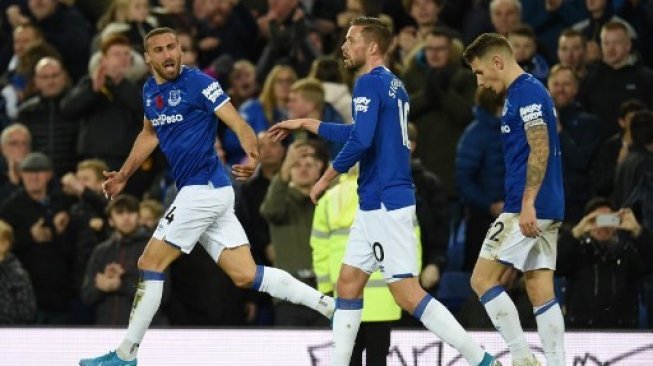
[175, 97]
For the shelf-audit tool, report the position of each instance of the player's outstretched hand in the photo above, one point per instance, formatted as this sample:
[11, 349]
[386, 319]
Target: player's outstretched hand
[114, 184]
[245, 170]
[318, 190]
[280, 131]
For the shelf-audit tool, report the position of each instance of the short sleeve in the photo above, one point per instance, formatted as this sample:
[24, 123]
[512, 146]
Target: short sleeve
[211, 96]
[532, 110]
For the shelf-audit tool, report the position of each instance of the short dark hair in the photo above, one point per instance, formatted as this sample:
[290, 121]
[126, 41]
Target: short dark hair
[641, 128]
[570, 33]
[524, 31]
[122, 203]
[441, 32]
[326, 68]
[113, 40]
[156, 32]
[484, 44]
[630, 106]
[375, 30]
[598, 202]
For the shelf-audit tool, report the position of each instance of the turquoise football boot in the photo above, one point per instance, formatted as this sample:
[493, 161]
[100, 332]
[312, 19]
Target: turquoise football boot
[110, 359]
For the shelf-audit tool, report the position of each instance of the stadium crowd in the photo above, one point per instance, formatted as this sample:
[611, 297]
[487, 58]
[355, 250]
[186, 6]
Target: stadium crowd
[71, 74]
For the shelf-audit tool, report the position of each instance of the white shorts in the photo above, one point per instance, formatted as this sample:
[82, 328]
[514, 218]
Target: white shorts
[505, 243]
[204, 214]
[384, 240]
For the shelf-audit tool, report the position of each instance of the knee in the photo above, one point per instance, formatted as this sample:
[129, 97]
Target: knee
[538, 294]
[481, 283]
[244, 278]
[348, 288]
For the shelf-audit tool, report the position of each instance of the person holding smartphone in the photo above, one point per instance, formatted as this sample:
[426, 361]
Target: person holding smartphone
[604, 258]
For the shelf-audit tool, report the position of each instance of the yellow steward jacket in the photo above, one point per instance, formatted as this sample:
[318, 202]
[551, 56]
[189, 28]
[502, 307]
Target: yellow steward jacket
[333, 218]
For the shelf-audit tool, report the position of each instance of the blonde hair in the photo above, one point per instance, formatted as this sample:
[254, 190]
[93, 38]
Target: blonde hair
[13, 128]
[267, 97]
[96, 165]
[311, 90]
[6, 232]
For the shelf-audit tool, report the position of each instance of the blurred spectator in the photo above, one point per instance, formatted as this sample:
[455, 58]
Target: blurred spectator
[39, 216]
[431, 211]
[329, 72]
[108, 105]
[639, 14]
[149, 213]
[288, 209]
[17, 300]
[173, 14]
[242, 82]
[112, 273]
[638, 162]
[306, 100]
[524, 45]
[572, 48]
[613, 151]
[66, 29]
[15, 144]
[87, 222]
[506, 15]
[477, 20]
[287, 27]
[53, 131]
[229, 28]
[579, 139]
[17, 77]
[253, 192]
[261, 113]
[549, 18]
[480, 172]
[442, 95]
[619, 77]
[189, 49]
[604, 259]
[600, 13]
[131, 18]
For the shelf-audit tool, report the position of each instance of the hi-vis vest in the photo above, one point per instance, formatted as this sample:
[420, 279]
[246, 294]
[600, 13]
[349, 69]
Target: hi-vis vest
[333, 218]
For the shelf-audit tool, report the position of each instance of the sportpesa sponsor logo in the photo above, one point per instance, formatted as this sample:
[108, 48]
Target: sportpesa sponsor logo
[531, 112]
[163, 119]
[361, 104]
[213, 91]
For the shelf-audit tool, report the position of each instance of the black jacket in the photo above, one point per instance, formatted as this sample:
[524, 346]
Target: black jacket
[604, 89]
[17, 301]
[53, 132]
[603, 281]
[431, 209]
[49, 264]
[114, 308]
[579, 140]
[110, 120]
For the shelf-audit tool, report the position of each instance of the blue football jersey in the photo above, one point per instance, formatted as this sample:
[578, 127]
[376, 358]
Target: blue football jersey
[378, 138]
[182, 112]
[528, 103]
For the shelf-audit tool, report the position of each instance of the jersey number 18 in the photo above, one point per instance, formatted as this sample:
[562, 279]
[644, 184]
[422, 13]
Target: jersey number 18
[403, 121]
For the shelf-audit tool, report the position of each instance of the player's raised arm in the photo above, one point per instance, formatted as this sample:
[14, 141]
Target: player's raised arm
[230, 116]
[145, 143]
[537, 136]
[336, 132]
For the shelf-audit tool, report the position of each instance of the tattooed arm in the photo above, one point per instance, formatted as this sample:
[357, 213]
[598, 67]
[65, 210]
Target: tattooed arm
[538, 140]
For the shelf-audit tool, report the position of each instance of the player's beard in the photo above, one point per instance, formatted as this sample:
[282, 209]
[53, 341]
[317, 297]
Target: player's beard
[353, 64]
[167, 73]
